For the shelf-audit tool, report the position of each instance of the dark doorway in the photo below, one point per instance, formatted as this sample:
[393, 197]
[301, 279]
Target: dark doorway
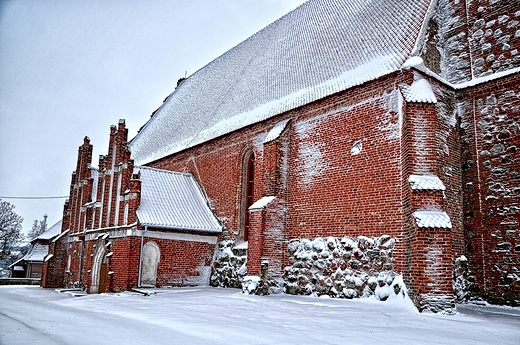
[102, 278]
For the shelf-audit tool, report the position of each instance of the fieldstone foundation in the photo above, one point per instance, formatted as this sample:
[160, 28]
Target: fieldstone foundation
[339, 268]
[343, 268]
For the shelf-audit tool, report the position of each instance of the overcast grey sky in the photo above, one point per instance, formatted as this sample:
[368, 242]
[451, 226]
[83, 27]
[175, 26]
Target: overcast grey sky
[70, 68]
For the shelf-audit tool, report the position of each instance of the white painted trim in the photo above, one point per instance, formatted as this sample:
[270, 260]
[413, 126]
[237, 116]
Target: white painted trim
[176, 236]
[130, 231]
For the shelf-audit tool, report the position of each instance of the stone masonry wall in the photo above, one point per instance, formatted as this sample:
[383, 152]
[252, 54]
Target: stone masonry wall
[467, 39]
[228, 268]
[337, 267]
[341, 267]
[491, 179]
[494, 35]
[445, 50]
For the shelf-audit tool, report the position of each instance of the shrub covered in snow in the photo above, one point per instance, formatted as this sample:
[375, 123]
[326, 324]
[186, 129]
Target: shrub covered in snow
[250, 285]
[228, 268]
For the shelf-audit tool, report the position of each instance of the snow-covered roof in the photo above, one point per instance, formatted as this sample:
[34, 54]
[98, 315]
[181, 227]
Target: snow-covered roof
[36, 253]
[51, 232]
[320, 48]
[61, 235]
[426, 182]
[174, 200]
[432, 219]
[262, 203]
[420, 91]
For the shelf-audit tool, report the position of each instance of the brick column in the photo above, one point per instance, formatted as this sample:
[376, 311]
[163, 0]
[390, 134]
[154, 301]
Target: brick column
[429, 257]
[267, 240]
[256, 240]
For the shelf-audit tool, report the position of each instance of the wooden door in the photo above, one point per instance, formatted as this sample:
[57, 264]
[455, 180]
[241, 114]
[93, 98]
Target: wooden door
[102, 278]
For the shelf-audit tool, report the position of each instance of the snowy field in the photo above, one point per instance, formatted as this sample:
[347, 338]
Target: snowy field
[32, 315]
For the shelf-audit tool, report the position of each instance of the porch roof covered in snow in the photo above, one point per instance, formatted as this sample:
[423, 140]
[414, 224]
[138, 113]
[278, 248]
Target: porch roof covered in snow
[37, 253]
[172, 200]
[320, 48]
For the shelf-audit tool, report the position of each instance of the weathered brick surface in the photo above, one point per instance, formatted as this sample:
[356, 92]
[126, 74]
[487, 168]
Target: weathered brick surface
[54, 268]
[326, 189]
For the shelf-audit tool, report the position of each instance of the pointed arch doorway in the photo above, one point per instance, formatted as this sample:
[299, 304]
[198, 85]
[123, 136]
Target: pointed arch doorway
[99, 271]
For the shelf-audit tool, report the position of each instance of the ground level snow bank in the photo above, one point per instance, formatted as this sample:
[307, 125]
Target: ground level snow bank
[203, 315]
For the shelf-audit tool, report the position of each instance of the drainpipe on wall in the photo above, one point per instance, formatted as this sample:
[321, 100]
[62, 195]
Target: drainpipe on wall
[141, 257]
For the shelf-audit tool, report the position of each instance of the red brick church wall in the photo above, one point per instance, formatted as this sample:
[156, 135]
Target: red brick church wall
[327, 191]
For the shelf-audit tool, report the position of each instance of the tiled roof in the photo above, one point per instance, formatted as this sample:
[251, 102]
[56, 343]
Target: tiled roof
[37, 252]
[320, 48]
[426, 182]
[432, 219]
[51, 232]
[174, 200]
[420, 91]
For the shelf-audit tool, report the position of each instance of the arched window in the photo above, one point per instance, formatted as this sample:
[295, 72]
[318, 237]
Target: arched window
[248, 177]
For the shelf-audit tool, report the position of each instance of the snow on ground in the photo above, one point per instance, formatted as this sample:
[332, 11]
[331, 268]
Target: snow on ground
[202, 315]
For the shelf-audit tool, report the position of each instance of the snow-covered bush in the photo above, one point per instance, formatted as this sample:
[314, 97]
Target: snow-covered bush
[228, 269]
[464, 287]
